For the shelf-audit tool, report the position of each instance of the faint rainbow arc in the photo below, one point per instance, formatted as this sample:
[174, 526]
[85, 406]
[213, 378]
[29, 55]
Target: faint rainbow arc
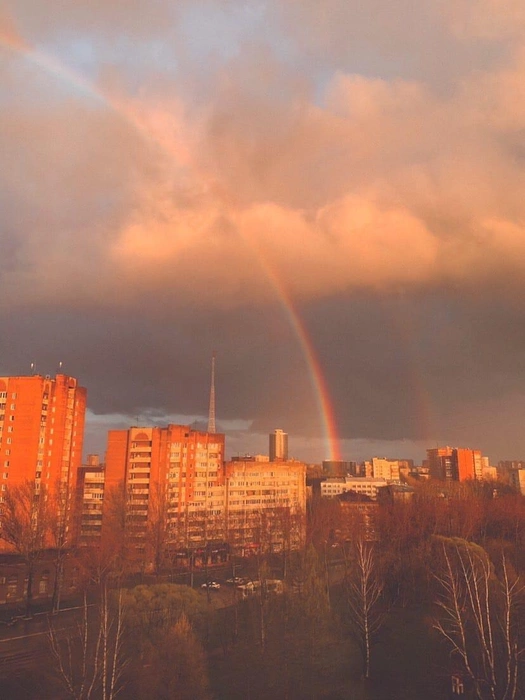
[317, 378]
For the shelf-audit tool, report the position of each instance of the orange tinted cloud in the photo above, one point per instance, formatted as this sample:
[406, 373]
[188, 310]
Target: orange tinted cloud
[378, 183]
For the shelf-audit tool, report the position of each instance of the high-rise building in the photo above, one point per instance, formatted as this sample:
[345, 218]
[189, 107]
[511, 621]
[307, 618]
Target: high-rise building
[440, 463]
[41, 432]
[174, 472]
[455, 463]
[278, 445]
[250, 505]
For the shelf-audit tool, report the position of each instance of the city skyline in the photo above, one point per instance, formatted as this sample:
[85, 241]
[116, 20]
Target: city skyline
[328, 197]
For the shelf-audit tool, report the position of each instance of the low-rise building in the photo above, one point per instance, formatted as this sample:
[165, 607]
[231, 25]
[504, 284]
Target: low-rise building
[365, 485]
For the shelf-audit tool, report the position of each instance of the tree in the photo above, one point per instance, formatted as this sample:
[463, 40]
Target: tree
[150, 609]
[364, 589]
[115, 552]
[91, 663]
[60, 539]
[480, 618]
[24, 520]
[174, 666]
[157, 533]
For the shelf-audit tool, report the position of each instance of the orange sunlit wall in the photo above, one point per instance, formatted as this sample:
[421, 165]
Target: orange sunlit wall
[464, 463]
[141, 458]
[41, 431]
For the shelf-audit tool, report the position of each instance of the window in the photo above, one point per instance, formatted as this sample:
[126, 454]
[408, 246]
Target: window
[12, 585]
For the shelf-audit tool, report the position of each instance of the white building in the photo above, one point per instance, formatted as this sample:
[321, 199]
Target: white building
[364, 485]
[385, 468]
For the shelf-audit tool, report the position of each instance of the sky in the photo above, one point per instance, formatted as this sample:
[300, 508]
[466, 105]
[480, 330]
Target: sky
[328, 195]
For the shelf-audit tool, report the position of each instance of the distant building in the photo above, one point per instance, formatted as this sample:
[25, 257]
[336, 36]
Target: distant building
[440, 463]
[385, 469]
[278, 445]
[367, 486]
[41, 434]
[455, 463]
[406, 467]
[358, 517]
[250, 458]
[395, 493]
[338, 467]
[517, 479]
[490, 473]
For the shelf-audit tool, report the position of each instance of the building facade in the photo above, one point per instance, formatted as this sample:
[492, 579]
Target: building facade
[265, 506]
[90, 499]
[363, 485]
[385, 469]
[455, 463]
[278, 445]
[41, 434]
[172, 475]
[174, 479]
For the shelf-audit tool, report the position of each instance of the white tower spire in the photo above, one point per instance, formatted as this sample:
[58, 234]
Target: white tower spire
[211, 417]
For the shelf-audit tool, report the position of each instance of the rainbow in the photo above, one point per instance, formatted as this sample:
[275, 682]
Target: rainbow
[317, 378]
[12, 42]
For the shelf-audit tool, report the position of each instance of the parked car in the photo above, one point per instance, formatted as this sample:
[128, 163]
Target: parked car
[214, 585]
[235, 581]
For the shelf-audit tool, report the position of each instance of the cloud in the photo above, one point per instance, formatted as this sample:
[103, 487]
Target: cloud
[170, 190]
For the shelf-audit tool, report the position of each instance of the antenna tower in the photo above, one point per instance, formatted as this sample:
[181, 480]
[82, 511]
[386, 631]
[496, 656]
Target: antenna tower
[211, 416]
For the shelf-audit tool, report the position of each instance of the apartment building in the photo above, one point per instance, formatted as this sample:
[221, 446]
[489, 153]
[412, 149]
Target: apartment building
[90, 499]
[173, 474]
[455, 463]
[265, 505]
[363, 485]
[41, 434]
[385, 468]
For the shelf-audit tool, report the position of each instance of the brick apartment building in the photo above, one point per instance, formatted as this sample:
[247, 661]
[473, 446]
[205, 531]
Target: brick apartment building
[41, 433]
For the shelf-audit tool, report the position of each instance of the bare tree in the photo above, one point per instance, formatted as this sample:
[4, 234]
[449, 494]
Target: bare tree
[91, 663]
[157, 533]
[480, 618]
[364, 589]
[116, 552]
[24, 520]
[59, 533]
